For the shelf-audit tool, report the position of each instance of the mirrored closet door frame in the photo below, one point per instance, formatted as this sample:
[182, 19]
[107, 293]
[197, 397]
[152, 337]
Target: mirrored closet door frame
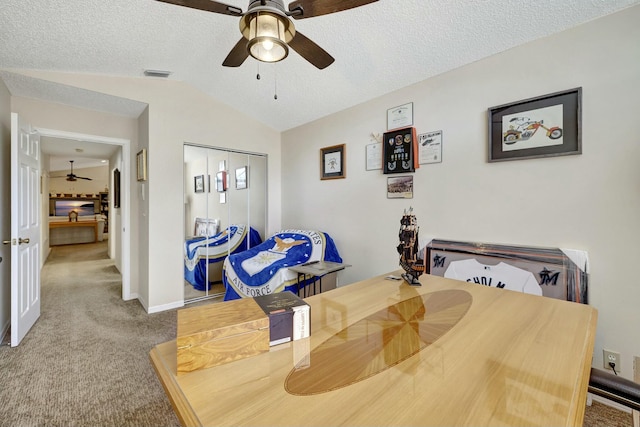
[222, 188]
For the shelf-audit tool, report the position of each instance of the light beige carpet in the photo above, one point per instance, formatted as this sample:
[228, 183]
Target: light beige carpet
[85, 362]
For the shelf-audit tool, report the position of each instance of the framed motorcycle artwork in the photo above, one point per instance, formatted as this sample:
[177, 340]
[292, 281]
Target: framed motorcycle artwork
[545, 126]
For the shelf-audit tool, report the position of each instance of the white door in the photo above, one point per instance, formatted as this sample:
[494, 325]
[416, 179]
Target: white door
[25, 230]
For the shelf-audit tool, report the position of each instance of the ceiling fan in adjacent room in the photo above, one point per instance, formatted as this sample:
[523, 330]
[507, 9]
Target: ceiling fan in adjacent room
[73, 177]
[268, 31]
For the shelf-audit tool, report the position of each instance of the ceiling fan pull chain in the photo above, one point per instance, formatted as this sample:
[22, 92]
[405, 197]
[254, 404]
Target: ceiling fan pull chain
[275, 82]
[258, 75]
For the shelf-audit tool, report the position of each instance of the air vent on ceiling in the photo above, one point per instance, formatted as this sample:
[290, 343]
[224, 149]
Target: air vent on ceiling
[157, 73]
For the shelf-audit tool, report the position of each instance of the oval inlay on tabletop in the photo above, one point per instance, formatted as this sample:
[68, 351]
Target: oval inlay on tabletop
[379, 341]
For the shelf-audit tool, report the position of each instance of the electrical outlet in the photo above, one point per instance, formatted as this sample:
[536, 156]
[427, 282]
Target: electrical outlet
[612, 357]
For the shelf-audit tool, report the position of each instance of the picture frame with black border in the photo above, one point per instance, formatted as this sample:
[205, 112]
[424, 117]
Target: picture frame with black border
[544, 126]
[333, 164]
[399, 151]
[198, 184]
[116, 188]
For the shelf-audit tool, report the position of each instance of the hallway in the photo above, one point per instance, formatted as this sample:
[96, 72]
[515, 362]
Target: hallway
[85, 361]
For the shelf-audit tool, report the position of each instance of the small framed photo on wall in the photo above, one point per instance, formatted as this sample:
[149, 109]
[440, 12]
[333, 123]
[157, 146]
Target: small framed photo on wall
[241, 178]
[221, 181]
[198, 183]
[400, 187]
[333, 164]
[141, 165]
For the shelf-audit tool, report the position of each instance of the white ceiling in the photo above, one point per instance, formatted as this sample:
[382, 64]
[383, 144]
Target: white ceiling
[84, 154]
[378, 48]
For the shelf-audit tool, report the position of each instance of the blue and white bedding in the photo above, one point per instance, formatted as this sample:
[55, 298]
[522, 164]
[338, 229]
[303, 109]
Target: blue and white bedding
[262, 269]
[204, 250]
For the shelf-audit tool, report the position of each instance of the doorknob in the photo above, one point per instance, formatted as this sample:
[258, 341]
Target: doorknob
[21, 241]
[7, 242]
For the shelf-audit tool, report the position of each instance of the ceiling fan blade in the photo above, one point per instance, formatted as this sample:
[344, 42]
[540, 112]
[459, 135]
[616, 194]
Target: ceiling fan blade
[311, 51]
[207, 5]
[312, 8]
[237, 55]
[82, 177]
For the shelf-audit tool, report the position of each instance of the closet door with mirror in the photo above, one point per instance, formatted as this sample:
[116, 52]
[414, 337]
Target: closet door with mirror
[225, 211]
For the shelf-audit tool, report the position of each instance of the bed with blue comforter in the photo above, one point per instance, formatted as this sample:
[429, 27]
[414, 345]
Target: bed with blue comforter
[200, 252]
[262, 269]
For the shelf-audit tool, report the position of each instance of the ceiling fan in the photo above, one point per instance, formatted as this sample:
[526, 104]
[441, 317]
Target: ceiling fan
[267, 30]
[73, 177]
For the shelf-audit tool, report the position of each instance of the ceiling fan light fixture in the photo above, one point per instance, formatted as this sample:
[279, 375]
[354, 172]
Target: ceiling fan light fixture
[268, 34]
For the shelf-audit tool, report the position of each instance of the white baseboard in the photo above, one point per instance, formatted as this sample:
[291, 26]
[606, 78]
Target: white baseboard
[165, 307]
[131, 297]
[608, 402]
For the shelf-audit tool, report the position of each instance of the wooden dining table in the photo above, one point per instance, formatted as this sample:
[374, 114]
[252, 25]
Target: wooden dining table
[384, 353]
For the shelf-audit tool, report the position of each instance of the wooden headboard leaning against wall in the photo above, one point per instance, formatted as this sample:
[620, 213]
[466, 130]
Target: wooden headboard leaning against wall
[561, 273]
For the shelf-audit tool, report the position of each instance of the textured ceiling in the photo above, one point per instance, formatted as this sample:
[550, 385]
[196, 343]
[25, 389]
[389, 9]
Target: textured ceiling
[378, 48]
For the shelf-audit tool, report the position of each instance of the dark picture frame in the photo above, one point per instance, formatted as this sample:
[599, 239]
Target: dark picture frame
[333, 162]
[116, 188]
[399, 151]
[545, 126]
[198, 184]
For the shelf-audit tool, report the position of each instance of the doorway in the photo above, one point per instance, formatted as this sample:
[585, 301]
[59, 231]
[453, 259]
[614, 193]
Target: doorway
[117, 151]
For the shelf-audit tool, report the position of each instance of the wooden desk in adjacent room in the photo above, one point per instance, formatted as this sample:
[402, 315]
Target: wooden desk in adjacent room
[75, 224]
[385, 353]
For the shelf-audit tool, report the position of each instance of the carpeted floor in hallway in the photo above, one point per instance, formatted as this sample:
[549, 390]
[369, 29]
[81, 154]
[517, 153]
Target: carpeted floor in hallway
[85, 362]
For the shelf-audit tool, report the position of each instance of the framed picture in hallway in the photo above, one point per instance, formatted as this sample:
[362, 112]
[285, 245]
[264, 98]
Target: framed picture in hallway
[545, 126]
[141, 163]
[116, 188]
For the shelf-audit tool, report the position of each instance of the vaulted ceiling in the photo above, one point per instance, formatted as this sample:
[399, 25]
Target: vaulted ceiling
[378, 48]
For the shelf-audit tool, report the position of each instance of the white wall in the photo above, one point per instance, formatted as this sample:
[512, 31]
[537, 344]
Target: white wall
[5, 207]
[589, 201]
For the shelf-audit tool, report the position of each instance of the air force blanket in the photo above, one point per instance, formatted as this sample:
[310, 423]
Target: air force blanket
[263, 270]
[200, 251]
